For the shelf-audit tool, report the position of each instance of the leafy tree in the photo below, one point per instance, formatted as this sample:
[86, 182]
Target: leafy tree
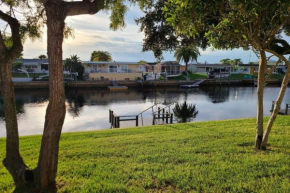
[186, 54]
[16, 65]
[43, 176]
[159, 36]
[74, 64]
[11, 47]
[101, 56]
[225, 61]
[143, 62]
[42, 56]
[184, 112]
[256, 25]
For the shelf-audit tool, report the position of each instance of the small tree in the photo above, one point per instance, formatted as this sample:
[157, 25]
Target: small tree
[42, 56]
[185, 112]
[186, 54]
[74, 64]
[225, 61]
[101, 56]
[16, 65]
[229, 24]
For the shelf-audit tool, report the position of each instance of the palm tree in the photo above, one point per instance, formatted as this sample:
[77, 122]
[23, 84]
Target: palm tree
[185, 112]
[186, 54]
[74, 64]
[101, 56]
[225, 61]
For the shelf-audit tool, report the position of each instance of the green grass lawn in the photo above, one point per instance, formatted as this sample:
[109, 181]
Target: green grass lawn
[216, 156]
[192, 76]
[23, 75]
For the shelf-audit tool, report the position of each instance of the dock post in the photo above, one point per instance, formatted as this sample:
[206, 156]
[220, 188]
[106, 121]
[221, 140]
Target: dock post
[110, 116]
[171, 118]
[167, 116]
[153, 123]
[158, 112]
[272, 108]
[286, 110]
[137, 121]
[118, 122]
[163, 112]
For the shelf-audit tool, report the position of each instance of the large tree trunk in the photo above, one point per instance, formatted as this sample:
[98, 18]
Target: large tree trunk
[55, 113]
[13, 160]
[260, 98]
[276, 108]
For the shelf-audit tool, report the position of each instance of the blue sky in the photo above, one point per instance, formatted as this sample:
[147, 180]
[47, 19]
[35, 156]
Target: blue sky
[92, 33]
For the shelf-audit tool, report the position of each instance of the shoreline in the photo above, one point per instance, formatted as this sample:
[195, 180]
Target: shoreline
[159, 83]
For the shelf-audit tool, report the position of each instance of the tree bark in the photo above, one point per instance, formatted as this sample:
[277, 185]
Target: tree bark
[260, 98]
[13, 160]
[276, 108]
[55, 113]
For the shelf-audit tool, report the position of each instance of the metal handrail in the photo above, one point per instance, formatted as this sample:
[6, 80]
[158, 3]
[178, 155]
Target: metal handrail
[148, 108]
[163, 108]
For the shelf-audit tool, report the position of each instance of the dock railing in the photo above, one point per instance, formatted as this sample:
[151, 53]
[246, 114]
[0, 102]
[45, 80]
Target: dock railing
[115, 120]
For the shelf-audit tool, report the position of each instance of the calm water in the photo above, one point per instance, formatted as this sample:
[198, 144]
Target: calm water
[87, 109]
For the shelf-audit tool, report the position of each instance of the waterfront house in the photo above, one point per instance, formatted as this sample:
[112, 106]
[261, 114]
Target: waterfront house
[169, 67]
[206, 68]
[34, 65]
[253, 67]
[114, 70]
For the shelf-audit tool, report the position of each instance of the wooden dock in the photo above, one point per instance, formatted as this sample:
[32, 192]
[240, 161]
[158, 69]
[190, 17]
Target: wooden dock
[285, 111]
[194, 85]
[118, 88]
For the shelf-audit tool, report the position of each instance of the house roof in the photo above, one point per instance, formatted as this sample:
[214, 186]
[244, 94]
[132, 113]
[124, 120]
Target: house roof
[211, 65]
[109, 63]
[169, 63]
[32, 62]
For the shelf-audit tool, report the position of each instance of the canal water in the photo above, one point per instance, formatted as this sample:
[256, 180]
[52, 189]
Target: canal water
[88, 109]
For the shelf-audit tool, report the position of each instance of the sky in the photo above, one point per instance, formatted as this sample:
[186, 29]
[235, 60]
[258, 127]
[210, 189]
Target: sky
[92, 33]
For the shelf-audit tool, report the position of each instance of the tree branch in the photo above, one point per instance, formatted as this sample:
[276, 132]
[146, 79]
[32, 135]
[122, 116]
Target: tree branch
[2, 43]
[272, 70]
[15, 29]
[83, 7]
[279, 56]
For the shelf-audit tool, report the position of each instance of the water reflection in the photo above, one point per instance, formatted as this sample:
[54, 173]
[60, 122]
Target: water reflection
[87, 109]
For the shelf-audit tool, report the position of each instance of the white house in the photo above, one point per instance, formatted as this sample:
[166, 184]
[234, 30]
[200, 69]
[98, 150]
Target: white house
[34, 65]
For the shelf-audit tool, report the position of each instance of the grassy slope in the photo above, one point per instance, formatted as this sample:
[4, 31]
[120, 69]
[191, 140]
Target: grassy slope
[215, 156]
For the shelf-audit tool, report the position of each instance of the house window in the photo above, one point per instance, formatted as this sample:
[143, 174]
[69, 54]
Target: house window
[44, 66]
[124, 68]
[113, 68]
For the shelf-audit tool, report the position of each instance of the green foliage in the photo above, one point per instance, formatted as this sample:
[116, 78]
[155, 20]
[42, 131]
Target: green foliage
[230, 24]
[159, 36]
[142, 62]
[101, 56]
[42, 56]
[74, 64]
[16, 65]
[215, 156]
[186, 54]
[185, 112]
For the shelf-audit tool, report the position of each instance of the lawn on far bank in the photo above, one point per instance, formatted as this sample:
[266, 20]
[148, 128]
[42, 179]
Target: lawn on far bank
[215, 156]
[192, 76]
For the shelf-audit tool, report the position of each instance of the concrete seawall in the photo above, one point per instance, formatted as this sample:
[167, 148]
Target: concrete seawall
[105, 84]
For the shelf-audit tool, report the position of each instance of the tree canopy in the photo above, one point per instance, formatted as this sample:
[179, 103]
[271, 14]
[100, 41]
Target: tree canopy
[101, 56]
[186, 54]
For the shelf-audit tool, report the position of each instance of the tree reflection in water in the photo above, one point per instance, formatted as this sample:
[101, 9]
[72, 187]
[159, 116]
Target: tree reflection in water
[185, 112]
[76, 102]
[19, 107]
